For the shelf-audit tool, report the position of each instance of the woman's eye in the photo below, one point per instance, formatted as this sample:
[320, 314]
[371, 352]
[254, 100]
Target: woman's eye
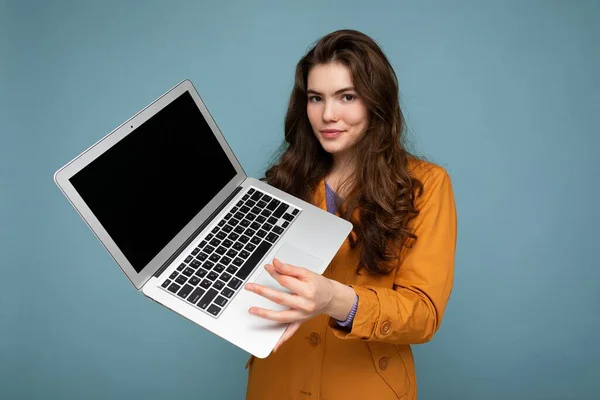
[314, 99]
[348, 97]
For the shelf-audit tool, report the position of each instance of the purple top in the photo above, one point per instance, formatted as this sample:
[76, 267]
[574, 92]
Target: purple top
[330, 199]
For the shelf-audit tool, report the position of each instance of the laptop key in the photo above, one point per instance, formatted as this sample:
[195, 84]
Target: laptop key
[256, 196]
[195, 296]
[244, 239]
[256, 240]
[231, 269]
[280, 210]
[233, 236]
[219, 268]
[227, 243]
[288, 217]
[231, 253]
[234, 283]
[238, 261]
[244, 254]
[260, 219]
[250, 246]
[225, 260]
[212, 275]
[221, 301]
[181, 267]
[214, 309]
[215, 242]
[188, 271]
[181, 279]
[200, 273]
[295, 211]
[214, 258]
[165, 283]
[238, 246]
[221, 235]
[207, 298]
[218, 285]
[225, 277]
[183, 293]
[195, 251]
[271, 237]
[206, 283]
[188, 259]
[273, 204]
[174, 287]
[251, 262]
[278, 230]
[173, 275]
[227, 292]
[272, 220]
[194, 280]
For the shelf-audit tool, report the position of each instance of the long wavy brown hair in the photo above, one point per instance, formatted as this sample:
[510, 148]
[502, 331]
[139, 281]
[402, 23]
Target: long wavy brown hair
[382, 189]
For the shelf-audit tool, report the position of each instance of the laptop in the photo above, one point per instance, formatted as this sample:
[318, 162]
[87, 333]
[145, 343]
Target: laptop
[170, 202]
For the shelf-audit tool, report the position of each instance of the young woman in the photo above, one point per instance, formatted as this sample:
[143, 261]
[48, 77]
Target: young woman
[387, 287]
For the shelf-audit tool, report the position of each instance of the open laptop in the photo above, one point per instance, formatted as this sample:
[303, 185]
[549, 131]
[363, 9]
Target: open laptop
[168, 199]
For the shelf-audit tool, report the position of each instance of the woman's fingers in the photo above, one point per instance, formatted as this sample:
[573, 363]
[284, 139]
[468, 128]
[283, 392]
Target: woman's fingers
[287, 281]
[279, 297]
[290, 270]
[284, 316]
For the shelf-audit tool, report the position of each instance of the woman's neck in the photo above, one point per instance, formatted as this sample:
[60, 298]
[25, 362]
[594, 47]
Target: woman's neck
[342, 170]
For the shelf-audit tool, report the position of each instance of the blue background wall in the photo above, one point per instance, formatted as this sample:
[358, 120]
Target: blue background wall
[504, 94]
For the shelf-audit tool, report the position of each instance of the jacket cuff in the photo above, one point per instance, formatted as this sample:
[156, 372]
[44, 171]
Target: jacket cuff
[365, 320]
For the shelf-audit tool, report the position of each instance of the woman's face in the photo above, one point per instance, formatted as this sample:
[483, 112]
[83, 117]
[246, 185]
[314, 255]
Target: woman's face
[337, 115]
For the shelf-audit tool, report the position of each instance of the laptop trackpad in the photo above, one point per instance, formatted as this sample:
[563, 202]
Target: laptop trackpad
[288, 254]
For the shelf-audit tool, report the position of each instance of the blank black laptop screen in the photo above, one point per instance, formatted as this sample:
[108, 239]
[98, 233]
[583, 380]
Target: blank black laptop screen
[149, 185]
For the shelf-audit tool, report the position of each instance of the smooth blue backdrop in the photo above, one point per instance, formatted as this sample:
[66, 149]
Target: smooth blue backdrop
[504, 94]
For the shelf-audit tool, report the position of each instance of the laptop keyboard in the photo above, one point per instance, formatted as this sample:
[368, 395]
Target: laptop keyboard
[216, 269]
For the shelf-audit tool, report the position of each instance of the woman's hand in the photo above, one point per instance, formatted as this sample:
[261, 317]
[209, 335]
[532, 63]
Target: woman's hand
[312, 295]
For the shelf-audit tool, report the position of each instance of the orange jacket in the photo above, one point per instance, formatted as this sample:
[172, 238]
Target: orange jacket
[373, 360]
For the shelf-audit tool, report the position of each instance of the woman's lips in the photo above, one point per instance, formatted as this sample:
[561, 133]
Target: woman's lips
[331, 133]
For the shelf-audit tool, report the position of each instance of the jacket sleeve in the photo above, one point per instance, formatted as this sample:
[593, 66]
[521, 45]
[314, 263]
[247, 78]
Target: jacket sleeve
[411, 311]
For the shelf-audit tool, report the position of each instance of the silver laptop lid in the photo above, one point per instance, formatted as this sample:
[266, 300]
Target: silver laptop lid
[147, 186]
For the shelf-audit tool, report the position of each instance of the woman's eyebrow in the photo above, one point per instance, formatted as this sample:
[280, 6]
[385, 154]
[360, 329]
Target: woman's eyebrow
[312, 91]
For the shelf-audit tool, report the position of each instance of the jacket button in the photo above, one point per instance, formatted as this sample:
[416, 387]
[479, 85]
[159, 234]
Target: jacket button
[385, 327]
[383, 363]
[314, 339]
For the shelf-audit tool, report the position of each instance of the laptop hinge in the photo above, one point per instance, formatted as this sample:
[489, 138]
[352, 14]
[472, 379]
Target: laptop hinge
[197, 232]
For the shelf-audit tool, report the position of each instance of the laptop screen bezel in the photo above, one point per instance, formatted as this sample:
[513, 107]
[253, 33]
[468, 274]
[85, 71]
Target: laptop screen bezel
[63, 175]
